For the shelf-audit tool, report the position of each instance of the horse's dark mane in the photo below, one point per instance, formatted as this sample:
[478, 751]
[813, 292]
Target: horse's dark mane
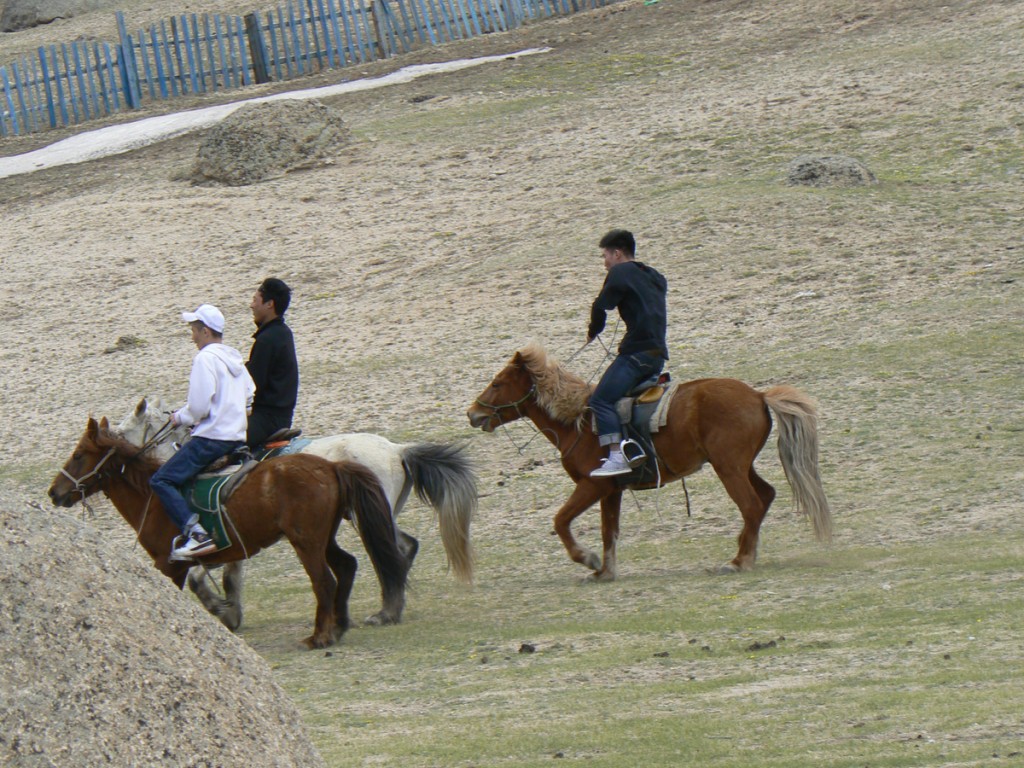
[138, 467]
[562, 394]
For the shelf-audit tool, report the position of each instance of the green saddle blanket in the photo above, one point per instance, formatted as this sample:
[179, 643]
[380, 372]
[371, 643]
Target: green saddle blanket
[204, 492]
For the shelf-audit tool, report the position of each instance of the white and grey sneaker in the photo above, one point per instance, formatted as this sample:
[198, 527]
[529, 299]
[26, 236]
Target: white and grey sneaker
[615, 464]
[199, 543]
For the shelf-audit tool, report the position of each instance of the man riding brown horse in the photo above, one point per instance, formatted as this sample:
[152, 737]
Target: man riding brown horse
[638, 292]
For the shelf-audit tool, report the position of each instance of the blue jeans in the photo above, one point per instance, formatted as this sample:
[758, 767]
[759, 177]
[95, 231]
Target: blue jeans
[188, 462]
[625, 372]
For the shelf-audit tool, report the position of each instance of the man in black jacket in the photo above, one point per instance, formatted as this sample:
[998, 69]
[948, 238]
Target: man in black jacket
[638, 292]
[272, 363]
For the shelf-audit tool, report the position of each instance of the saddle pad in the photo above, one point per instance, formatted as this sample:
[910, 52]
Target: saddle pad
[658, 414]
[203, 497]
[283, 449]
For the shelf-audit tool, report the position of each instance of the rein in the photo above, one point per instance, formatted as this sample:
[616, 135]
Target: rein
[157, 436]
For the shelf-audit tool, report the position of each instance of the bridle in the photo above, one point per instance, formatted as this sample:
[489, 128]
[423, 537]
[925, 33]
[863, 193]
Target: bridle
[81, 484]
[520, 449]
[496, 409]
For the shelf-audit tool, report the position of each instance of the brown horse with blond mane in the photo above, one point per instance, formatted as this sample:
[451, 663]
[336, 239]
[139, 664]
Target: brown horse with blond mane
[721, 422]
[300, 497]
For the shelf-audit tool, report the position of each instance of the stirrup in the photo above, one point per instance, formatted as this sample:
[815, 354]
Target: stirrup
[633, 453]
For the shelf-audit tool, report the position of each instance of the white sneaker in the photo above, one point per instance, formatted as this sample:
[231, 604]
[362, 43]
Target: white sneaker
[613, 465]
[199, 543]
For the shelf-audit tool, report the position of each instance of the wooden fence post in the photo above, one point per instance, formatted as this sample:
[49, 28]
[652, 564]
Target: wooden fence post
[8, 103]
[511, 13]
[257, 47]
[126, 60]
[377, 11]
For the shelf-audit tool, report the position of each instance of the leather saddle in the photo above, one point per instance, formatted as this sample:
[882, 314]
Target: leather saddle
[635, 411]
[208, 492]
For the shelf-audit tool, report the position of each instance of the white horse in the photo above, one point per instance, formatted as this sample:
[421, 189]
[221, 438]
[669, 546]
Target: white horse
[441, 475]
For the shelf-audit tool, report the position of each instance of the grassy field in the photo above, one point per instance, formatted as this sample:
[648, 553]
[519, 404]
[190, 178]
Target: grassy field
[453, 232]
[882, 656]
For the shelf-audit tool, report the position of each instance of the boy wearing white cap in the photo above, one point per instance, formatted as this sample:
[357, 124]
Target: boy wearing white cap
[220, 393]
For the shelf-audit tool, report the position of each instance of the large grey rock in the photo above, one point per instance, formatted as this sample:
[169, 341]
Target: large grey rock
[264, 141]
[104, 662]
[829, 171]
[22, 14]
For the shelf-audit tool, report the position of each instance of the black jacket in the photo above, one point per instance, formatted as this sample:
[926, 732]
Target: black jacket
[638, 291]
[273, 366]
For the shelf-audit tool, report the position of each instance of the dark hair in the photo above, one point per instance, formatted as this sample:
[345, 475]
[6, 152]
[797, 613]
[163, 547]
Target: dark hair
[275, 290]
[619, 239]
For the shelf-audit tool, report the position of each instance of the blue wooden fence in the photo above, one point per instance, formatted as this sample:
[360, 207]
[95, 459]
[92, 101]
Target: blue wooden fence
[75, 82]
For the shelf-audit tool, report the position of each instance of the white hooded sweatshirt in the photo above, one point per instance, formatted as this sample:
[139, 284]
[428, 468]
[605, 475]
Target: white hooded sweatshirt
[220, 392]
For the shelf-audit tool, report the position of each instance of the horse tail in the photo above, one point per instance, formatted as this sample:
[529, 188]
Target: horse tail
[443, 478]
[797, 416]
[361, 492]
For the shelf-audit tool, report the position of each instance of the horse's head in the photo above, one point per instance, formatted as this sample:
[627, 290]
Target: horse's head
[146, 422]
[91, 461]
[501, 401]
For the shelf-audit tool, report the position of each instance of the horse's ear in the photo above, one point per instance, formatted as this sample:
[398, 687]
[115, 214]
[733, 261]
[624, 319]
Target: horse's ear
[104, 424]
[517, 360]
[92, 428]
[141, 407]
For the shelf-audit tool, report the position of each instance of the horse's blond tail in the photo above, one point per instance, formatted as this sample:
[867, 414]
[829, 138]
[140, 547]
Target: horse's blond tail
[443, 477]
[797, 417]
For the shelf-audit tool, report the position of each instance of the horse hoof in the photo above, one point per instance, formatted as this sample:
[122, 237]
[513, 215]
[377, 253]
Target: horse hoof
[380, 619]
[591, 561]
[230, 616]
[313, 642]
[726, 569]
[599, 576]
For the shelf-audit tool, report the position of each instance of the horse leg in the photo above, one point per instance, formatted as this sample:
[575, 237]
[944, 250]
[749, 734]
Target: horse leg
[750, 494]
[393, 605]
[393, 600]
[344, 566]
[581, 499]
[324, 588]
[228, 612]
[610, 508]
[764, 489]
[408, 545]
[233, 581]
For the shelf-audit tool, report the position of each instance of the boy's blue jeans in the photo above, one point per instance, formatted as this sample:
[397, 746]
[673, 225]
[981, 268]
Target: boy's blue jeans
[189, 461]
[625, 372]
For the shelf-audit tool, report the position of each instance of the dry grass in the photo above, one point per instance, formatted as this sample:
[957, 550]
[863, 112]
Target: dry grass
[459, 227]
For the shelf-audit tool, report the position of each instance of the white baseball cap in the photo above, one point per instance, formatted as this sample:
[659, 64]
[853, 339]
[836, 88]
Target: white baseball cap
[208, 315]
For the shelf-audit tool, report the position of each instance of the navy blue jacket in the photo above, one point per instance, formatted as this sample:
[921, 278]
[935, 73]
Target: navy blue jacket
[638, 291]
[274, 368]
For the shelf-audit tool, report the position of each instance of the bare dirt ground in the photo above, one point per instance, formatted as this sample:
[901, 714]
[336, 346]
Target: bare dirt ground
[463, 222]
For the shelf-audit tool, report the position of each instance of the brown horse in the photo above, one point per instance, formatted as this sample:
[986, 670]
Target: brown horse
[300, 497]
[722, 422]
